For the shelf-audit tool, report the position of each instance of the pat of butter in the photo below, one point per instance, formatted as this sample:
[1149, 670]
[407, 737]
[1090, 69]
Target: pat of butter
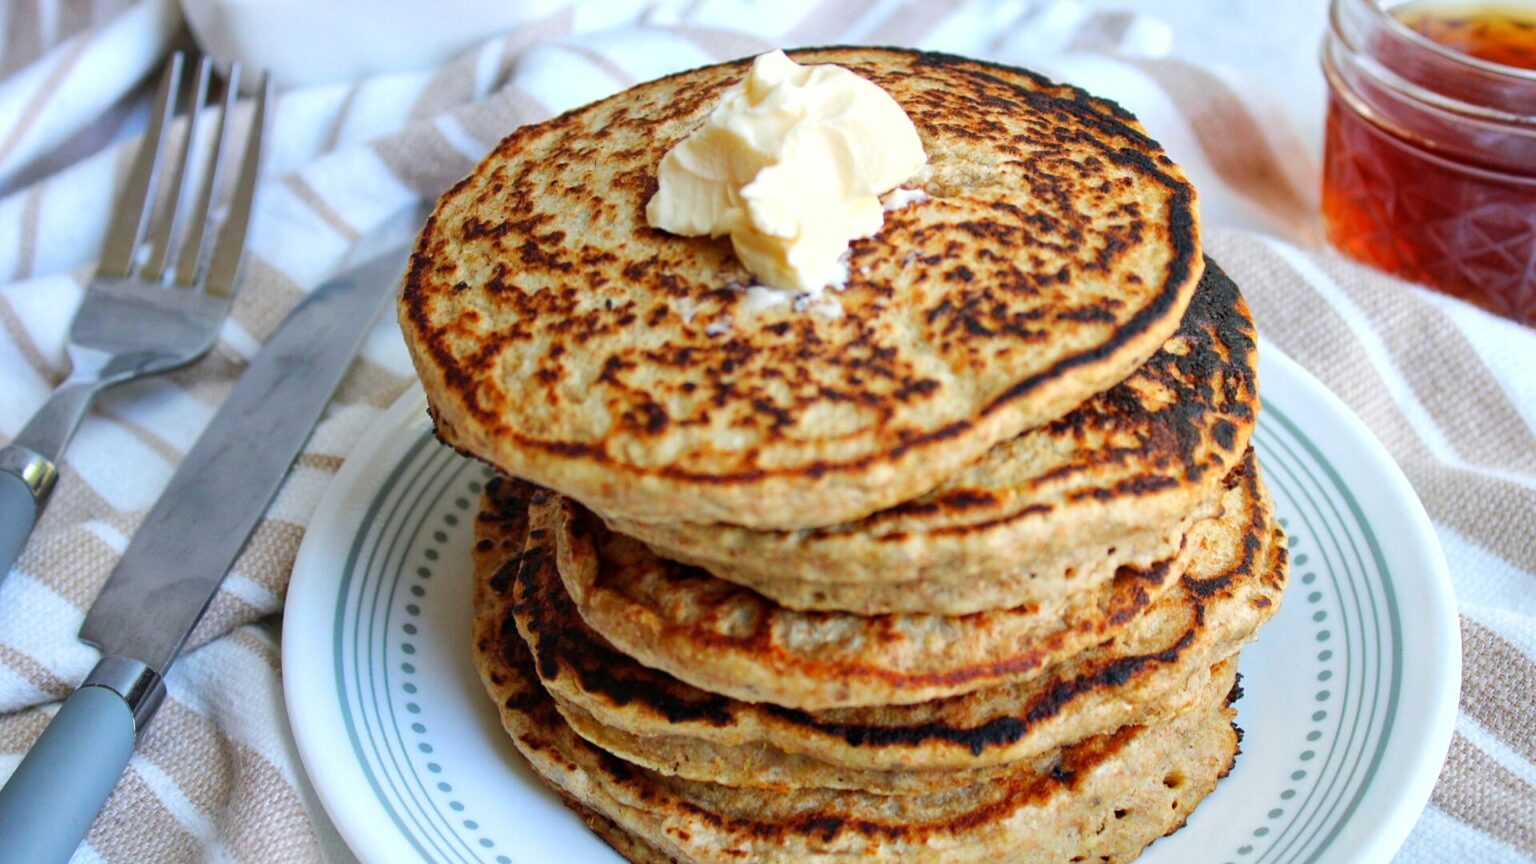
[790, 164]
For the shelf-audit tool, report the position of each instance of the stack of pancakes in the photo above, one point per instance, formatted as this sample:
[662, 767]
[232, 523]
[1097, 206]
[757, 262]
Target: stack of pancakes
[958, 572]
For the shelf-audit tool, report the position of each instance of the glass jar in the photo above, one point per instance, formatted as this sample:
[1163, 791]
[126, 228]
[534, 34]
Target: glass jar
[1429, 166]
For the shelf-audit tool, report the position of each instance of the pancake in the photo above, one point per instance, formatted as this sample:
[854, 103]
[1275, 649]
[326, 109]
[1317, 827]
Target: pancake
[1150, 670]
[563, 340]
[1111, 484]
[770, 769]
[730, 640]
[1106, 797]
[634, 850]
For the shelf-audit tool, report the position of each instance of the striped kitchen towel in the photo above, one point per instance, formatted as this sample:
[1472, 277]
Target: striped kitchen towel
[1450, 391]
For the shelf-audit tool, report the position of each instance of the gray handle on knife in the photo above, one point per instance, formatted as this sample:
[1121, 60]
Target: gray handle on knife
[18, 512]
[48, 805]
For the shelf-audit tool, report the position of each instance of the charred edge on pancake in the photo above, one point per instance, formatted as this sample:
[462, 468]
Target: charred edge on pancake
[1219, 351]
[1091, 112]
[508, 512]
[1077, 761]
[559, 640]
[1002, 731]
[1253, 536]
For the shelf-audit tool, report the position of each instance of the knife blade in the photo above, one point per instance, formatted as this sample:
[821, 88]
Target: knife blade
[177, 558]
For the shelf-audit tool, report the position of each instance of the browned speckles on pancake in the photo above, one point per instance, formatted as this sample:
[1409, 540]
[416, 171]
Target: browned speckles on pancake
[1122, 789]
[1134, 460]
[1145, 670]
[562, 339]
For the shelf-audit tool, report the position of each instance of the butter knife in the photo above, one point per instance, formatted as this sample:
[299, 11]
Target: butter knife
[179, 555]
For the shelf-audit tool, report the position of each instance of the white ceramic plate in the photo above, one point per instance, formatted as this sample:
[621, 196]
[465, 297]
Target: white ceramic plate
[1350, 691]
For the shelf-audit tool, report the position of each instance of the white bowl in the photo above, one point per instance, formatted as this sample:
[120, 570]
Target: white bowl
[304, 42]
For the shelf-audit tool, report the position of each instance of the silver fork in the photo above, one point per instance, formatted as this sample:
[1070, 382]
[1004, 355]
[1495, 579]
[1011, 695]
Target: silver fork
[162, 290]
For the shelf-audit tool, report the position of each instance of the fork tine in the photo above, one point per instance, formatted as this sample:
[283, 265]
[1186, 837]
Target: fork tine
[162, 239]
[192, 248]
[133, 207]
[229, 246]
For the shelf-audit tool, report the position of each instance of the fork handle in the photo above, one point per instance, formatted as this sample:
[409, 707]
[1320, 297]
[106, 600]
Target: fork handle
[26, 479]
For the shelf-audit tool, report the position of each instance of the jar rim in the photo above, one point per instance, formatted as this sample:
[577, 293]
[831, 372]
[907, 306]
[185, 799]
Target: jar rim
[1365, 39]
[1403, 32]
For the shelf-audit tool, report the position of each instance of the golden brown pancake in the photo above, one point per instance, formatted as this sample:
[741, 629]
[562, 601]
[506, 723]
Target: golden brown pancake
[721, 637]
[1151, 670]
[1047, 514]
[767, 768]
[563, 340]
[1106, 797]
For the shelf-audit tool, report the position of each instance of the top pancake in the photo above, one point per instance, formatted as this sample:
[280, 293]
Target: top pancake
[563, 340]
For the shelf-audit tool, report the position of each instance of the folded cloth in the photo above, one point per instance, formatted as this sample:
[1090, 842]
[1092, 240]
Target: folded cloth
[1448, 389]
[65, 69]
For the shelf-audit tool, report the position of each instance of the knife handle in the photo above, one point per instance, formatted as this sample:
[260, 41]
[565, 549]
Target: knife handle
[48, 805]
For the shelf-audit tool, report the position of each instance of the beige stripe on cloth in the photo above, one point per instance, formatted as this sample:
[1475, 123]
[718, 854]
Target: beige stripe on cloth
[826, 18]
[1479, 791]
[450, 86]
[493, 119]
[188, 747]
[724, 44]
[224, 614]
[423, 160]
[321, 207]
[34, 672]
[16, 331]
[599, 60]
[19, 730]
[455, 83]
[45, 92]
[1230, 136]
[23, 36]
[319, 462]
[26, 242]
[74, 17]
[1459, 393]
[277, 827]
[145, 435]
[267, 294]
[136, 827]
[1498, 688]
[907, 24]
[370, 384]
[268, 558]
[64, 553]
[1103, 30]
[89, 559]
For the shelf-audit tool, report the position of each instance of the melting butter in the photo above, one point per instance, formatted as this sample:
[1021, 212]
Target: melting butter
[790, 164]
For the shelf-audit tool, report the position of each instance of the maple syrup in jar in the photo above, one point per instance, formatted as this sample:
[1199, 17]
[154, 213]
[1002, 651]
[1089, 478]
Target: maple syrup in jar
[1429, 166]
